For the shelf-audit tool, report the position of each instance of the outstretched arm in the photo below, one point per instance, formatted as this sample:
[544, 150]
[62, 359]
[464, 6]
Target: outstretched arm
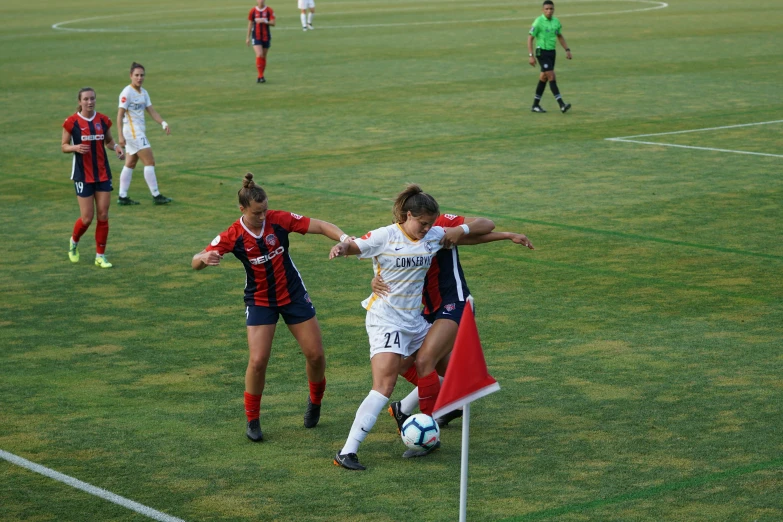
[519, 239]
[326, 229]
[475, 226]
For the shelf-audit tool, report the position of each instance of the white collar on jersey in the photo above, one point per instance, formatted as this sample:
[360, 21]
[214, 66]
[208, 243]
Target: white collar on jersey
[263, 226]
[87, 119]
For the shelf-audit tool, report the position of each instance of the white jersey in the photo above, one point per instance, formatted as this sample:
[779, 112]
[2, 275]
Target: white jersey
[135, 103]
[402, 262]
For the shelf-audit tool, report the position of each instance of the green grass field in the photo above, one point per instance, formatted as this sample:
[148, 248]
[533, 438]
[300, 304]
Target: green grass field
[638, 348]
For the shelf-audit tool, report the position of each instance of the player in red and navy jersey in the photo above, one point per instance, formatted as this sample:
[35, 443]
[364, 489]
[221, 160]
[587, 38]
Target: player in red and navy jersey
[259, 20]
[86, 135]
[444, 298]
[259, 239]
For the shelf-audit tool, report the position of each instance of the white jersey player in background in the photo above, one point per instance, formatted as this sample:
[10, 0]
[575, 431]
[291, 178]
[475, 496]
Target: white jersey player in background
[401, 253]
[306, 13]
[134, 102]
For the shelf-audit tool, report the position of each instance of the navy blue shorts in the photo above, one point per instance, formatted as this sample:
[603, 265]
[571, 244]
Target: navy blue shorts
[88, 190]
[266, 44]
[295, 312]
[451, 311]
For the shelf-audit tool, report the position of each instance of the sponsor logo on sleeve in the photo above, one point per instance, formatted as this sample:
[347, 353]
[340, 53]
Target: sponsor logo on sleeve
[450, 217]
[367, 235]
[123, 99]
[216, 241]
[296, 216]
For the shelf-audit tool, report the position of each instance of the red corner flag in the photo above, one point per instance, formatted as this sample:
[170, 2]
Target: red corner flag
[466, 377]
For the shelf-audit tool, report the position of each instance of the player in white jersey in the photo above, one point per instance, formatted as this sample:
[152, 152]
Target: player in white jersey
[134, 102]
[306, 13]
[402, 254]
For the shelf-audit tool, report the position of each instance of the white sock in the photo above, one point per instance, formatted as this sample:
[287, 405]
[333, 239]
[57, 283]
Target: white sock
[125, 179]
[303, 18]
[410, 402]
[310, 18]
[365, 419]
[152, 181]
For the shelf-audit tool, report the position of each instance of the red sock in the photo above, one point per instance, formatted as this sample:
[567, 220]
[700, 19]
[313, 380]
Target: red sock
[101, 233]
[317, 391]
[260, 65]
[252, 406]
[411, 376]
[79, 228]
[429, 387]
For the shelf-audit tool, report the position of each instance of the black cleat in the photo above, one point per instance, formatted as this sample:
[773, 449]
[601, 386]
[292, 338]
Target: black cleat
[395, 410]
[412, 453]
[254, 431]
[450, 416]
[160, 199]
[564, 108]
[126, 201]
[312, 414]
[349, 461]
[537, 108]
[262, 80]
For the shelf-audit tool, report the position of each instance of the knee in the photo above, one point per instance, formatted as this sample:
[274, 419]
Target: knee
[87, 220]
[424, 365]
[103, 216]
[257, 365]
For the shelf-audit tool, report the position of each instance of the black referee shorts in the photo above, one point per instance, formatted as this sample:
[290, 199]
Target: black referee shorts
[546, 59]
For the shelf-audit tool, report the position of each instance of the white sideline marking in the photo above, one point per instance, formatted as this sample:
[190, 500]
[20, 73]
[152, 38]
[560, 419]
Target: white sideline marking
[628, 139]
[59, 26]
[92, 490]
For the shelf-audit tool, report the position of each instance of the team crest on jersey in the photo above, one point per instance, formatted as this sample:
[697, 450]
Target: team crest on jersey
[450, 307]
[296, 216]
[271, 240]
[367, 235]
[97, 126]
[428, 246]
[216, 241]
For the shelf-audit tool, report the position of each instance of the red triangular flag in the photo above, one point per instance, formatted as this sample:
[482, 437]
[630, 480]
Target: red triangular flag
[466, 376]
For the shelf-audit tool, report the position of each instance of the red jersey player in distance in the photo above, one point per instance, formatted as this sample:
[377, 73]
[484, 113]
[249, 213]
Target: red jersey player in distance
[444, 297]
[259, 239]
[86, 134]
[259, 21]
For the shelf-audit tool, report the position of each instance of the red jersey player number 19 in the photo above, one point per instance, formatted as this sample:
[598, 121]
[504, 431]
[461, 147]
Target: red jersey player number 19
[86, 135]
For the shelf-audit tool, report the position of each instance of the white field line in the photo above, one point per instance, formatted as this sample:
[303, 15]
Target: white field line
[628, 139]
[89, 488]
[60, 26]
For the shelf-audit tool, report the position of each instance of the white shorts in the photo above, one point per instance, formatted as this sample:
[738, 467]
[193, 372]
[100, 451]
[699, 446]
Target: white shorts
[306, 4]
[386, 337]
[134, 145]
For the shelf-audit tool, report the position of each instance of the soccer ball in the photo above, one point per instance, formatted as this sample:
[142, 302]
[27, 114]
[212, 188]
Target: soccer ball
[420, 432]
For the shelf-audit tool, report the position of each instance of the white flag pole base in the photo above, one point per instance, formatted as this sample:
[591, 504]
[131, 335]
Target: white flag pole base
[463, 479]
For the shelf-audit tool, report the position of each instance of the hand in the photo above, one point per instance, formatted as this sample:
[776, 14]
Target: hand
[339, 250]
[568, 55]
[82, 148]
[168, 130]
[211, 258]
[121, 142]
[453, 234]
[247, 41]
[521, 239]
[532, 61]
[120, 152]
[379, 286]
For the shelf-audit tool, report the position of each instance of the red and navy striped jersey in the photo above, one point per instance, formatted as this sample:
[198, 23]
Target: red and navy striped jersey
[445, 282]
[261, 31]
[272, 278]
[92, 167]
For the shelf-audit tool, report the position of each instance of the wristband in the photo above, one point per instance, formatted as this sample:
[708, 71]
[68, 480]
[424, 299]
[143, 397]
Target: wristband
[568, 50]
[164, 125]
[530, 54]
[344, 237]
[465, 228]
[115, 147]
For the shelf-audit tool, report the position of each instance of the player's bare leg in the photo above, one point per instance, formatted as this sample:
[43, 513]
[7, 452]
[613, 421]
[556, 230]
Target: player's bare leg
[308, 335]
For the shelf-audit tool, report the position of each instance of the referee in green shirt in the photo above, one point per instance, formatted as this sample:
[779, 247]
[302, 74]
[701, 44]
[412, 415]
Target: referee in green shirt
[546, 29]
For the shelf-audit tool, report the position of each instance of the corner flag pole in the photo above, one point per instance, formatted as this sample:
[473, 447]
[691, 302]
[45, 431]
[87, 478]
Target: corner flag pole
[463, 475]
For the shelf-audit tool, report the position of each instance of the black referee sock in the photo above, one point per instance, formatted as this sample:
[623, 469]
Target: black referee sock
[556, 92]
[539, 92]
